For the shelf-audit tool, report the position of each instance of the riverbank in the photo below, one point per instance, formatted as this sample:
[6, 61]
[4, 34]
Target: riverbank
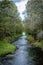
[38, 44]
[6, 48]
[25, 55]
[13, 38]
[30, 38]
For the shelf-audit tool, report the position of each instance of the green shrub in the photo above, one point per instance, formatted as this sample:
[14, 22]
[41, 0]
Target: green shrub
[40, 36]
[39, 44]
[30, 38]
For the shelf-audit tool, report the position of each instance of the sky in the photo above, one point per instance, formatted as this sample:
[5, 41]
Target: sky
[21, 5]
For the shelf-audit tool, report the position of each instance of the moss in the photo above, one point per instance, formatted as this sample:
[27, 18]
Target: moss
[6, 48]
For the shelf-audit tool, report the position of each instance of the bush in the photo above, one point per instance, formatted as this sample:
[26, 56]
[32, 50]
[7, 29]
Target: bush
[30, 38]
[40, 36]
[39, 44]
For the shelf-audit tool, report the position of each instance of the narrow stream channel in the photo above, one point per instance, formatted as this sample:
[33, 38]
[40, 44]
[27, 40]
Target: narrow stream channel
[25, 54]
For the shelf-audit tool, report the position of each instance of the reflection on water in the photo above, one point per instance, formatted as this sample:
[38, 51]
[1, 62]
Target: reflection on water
[25, 55]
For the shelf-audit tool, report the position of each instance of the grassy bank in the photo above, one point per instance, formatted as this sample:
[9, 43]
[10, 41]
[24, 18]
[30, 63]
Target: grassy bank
[34, 42]
[13, 38]
[6, 48]
[30, 38]
[38, 44]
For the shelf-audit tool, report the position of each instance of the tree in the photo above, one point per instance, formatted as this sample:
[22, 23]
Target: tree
[10, 21]
[35, 16]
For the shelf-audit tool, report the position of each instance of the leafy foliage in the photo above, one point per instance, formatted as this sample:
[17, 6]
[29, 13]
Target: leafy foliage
[10, 21]
[34, 19]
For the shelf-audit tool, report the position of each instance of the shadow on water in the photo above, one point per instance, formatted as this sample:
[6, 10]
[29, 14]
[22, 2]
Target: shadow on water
[25, 55]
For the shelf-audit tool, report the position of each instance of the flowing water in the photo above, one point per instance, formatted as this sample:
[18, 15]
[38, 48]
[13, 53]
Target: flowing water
[24, 55]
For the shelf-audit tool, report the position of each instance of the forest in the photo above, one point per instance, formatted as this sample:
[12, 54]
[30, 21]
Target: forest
[34, 22]
[10, 25]
[21, 41]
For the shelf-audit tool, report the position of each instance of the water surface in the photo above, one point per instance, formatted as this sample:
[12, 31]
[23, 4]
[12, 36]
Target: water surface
[25, 55]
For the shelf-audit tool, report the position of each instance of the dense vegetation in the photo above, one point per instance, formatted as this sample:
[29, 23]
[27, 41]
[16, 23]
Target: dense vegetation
[10, 24]
[6, 48]
[34, 21]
